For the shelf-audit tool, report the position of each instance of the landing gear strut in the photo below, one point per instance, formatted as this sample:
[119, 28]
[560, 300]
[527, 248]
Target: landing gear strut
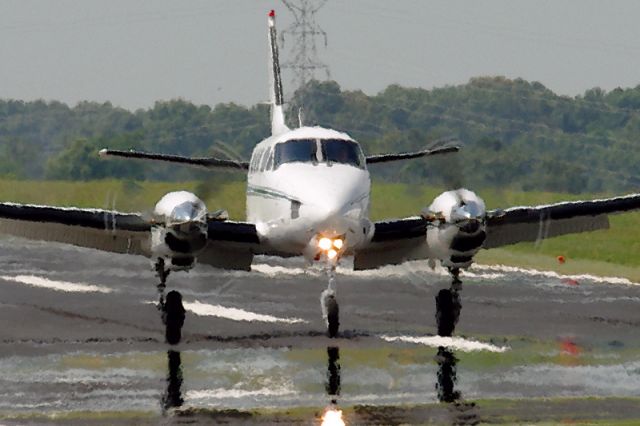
[173, 312]
[162, 274]
[329, 303]
[448, 305]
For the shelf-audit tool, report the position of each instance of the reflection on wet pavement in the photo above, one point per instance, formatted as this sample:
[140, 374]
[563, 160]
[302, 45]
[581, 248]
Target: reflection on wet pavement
[333, 373]
[462, 412]
[173, 395]
[520, 338]
[333, 415]
[447, 378]
[448, 310]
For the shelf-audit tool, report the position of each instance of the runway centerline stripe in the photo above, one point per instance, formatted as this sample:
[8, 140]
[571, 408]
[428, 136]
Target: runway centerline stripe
[456, 343]
[64, 286]
[205, 309]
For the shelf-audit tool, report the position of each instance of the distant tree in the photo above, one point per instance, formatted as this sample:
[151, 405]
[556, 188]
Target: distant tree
[80, 160]
[517, 134]
[16, 158]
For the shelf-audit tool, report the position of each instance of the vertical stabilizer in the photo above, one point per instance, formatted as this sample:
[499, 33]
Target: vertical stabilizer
[278, 125]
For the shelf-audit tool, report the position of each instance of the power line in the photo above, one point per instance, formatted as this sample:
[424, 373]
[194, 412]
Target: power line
[304, 30]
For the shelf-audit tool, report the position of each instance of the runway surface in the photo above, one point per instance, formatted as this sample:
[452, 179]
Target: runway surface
[81, 334]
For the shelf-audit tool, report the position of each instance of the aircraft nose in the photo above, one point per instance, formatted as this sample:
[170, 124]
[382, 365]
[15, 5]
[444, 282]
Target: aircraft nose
[331, 207]
[332, 214]
[336, 201]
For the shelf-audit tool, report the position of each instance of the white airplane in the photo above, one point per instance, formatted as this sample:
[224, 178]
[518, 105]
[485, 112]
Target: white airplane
[308, 195]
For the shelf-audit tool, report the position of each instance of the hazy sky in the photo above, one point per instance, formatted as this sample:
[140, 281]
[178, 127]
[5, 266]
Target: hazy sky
[133, 53]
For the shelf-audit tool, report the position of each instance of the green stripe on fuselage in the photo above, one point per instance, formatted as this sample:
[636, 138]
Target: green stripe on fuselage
[269, 193]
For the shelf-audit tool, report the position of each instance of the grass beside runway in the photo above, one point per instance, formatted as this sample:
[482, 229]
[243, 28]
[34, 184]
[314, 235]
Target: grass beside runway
[613, 252]
[96, 418]
[533, 411]
[613, 411]
[531, 258]
[123, 195]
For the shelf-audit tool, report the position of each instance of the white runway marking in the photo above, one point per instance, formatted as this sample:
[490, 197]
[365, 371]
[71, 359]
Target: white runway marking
[204, 309]
[65, 286]
[274, 270]
[236, 393]
[456, 343]
[552, 274]
[488, 272]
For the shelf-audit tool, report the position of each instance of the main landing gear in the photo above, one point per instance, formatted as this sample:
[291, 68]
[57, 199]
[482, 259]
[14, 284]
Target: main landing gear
[329, 303]
[448, 305]
[173, 312]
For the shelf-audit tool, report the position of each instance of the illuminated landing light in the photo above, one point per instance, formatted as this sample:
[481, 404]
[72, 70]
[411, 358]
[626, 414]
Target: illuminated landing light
[338, 243]
[333, 417]
[325, 243]
[332, 254]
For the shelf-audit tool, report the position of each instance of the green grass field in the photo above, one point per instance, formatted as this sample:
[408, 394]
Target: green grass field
[610, 252]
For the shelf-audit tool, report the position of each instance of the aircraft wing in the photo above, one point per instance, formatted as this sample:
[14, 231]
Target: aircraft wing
[394, 242]
[205, 162]
[99, 229]
[385, 158]
[397, 241]
[533, 223]
[231, 245]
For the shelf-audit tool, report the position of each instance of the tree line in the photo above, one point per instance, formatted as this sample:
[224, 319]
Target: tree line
[516, 134]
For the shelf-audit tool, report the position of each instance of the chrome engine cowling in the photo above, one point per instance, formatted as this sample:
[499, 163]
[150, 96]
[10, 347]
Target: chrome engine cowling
[180, 228]
[458, 227]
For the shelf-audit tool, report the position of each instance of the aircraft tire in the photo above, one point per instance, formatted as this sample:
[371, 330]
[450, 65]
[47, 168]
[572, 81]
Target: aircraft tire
[333, 314]
[173, 316]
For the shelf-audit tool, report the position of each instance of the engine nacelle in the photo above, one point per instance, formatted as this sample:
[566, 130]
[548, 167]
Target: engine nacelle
[458, 227]
[180, 229]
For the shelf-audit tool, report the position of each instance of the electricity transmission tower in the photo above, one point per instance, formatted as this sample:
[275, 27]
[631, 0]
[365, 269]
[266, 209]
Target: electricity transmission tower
[303, 53]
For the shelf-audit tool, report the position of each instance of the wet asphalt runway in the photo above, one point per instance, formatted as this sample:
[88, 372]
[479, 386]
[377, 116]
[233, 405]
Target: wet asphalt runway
[81, 332]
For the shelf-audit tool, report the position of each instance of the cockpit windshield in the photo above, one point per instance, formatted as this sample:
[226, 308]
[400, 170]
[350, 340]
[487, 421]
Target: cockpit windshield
[300, 150]
[341, 151]
[314, 151]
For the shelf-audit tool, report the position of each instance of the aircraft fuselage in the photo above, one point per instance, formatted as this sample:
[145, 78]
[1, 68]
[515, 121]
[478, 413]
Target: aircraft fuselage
[306, 184]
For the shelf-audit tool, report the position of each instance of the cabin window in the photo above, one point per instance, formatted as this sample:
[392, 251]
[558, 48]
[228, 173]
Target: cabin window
[263, 160]
[269, 159]
[342, 152]
[296, 151]
[255, 160]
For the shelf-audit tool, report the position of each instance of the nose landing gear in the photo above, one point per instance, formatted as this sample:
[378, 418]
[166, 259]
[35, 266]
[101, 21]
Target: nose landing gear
[329, 303]
[173, 313]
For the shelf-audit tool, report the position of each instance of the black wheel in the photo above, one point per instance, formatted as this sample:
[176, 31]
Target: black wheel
[173, 317]
[447, 311]
[333, 313]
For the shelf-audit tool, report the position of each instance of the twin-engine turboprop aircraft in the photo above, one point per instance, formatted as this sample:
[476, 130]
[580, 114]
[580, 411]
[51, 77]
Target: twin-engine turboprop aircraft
[308, 195]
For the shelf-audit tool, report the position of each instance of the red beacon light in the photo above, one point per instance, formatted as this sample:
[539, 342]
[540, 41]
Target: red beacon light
[272, 13]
